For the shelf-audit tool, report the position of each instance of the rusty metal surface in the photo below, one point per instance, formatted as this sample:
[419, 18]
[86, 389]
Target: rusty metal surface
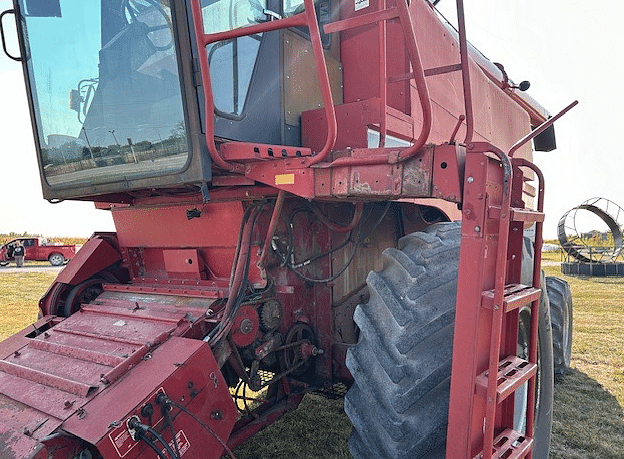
[17, 445]
[48, 377]
[184, 370]
[448, 172]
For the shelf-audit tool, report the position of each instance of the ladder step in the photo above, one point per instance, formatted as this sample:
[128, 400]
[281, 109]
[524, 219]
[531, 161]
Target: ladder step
[512, 373]
[526, 215]
[510, 445]
[517, 214]
[514, 296]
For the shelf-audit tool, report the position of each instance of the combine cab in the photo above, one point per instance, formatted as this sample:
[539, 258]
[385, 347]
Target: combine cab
[287, 182]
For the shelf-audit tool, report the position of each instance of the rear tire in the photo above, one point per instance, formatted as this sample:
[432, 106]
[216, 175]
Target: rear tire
[560, 298]
[398, 403]
[56, 259]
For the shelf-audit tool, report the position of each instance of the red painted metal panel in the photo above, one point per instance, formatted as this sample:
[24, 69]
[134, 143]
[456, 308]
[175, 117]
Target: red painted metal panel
[169, 227]
[109, 355]
[146, 233]
[498, 119]
[448, 172]
[354, 120]
[185, 263]
[183, 369]
[93, 257]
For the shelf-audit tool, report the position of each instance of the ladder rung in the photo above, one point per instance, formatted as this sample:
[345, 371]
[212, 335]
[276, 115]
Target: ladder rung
[510, 445]
[512, 373]
[526, 215]
[514, 296]
[517, 214]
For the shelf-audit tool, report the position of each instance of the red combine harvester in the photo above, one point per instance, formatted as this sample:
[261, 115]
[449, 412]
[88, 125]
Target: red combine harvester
[286, 181]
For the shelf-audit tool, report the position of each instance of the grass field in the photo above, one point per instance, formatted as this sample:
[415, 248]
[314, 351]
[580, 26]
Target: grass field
[588, 416]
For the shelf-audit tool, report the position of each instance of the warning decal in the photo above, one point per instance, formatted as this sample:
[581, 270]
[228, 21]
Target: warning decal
[183, 444]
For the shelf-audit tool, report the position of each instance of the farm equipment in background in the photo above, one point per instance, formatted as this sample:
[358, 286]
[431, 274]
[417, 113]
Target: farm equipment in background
[281, 230]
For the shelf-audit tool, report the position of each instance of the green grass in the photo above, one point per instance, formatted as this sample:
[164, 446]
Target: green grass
[589, 418]
[588, 413]
[552, 256]
[19, 299]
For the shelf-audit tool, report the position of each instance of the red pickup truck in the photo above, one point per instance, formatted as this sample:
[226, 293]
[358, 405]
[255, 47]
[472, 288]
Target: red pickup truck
[38, 248]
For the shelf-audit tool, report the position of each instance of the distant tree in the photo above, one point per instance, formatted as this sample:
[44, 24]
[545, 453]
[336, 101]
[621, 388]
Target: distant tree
[178, 131]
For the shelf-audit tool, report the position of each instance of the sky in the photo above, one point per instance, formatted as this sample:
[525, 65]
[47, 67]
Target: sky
[568, 50]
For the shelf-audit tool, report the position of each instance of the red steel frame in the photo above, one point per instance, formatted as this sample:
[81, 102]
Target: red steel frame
[487, 192]
[305, 19]
[465, 439]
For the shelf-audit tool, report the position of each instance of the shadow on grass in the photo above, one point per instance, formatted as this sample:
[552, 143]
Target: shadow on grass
[588, 420]
[588, 424]
[318, 429]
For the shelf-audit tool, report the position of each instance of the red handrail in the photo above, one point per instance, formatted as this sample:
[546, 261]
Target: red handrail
[419, 77]
[542, 127]
[305, 19]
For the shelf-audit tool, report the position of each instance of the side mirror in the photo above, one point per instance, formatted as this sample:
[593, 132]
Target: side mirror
[74, 100]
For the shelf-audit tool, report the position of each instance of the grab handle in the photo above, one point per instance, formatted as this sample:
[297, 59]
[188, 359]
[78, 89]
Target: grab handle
[18, 59]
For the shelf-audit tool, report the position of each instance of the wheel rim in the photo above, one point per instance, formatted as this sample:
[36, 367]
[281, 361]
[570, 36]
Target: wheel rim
[521, 395]
[57, 259]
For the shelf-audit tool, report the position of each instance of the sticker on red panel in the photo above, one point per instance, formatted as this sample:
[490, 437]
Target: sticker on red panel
[361, 4]
[183, 445]
[122, 440]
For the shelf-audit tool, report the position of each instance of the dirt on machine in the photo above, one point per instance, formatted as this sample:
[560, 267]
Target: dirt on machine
[307, 196]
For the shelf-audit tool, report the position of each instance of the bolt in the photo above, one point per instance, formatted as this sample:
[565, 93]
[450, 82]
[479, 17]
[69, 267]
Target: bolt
[246, 326]
[216, 415]
[470, 179]
[477, 229]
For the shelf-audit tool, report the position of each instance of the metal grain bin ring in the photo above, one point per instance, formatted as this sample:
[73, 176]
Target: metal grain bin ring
[577, 248]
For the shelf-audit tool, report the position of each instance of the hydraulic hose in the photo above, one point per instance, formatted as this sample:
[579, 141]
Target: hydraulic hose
[152, 445]
[141, 432]
[165, 401]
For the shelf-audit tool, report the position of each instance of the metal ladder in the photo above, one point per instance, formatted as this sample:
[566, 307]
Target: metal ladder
[486, 369]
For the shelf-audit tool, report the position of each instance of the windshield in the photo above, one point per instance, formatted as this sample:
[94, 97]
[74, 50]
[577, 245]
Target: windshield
[105, 88]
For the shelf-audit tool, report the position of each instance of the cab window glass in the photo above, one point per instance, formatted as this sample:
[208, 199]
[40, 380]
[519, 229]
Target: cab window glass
[106, 91]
